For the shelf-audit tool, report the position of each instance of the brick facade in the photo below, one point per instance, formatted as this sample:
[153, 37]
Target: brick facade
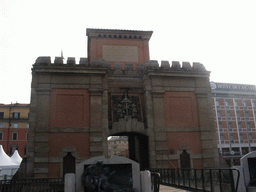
[163, 109]
[14, 125]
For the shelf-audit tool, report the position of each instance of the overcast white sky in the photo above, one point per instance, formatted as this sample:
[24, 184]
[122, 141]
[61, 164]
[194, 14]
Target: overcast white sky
[220, 34]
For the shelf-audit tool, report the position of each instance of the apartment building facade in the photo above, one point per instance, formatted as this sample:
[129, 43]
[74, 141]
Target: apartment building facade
[234, 107]
[118, 145]
[14, 125]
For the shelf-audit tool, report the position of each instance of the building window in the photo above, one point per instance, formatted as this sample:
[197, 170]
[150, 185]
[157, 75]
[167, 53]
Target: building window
[217, 102]
[246, 114]
[238, 114]
[1, 125]
[229, 125]
[241, 137]
[245, 104]
[236, 103]
[228, 113]
[27, 125]
[231, 137]
[225, 151]
[253, 104]
[226, 103]
[1, 135]
[14, 136]
[220, 125]
[245, 150]
[26, 135]
[221, 136]
[1, 115]
[15, 125]
[250, 137]
[239, 125]
[16, 115]
[236, 150]
[218, 113]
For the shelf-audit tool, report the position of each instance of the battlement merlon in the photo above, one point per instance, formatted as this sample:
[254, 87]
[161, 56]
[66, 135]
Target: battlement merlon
[44, 64]
[119, 34]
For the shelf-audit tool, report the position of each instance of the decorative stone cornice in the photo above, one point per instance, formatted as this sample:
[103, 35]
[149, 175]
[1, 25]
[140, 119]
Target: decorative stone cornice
[118, 34]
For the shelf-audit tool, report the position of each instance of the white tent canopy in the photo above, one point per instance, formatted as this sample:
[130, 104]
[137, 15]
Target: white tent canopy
[16, 157]
[7, 165]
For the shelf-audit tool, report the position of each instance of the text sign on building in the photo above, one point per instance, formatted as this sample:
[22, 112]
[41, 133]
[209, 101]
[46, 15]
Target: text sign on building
[120, 53]
[233, 87]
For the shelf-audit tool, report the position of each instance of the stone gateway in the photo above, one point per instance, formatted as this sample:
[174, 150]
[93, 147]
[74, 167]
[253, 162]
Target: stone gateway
[165, 109]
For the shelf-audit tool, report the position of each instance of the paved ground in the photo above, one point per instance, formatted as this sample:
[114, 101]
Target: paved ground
[164, 188]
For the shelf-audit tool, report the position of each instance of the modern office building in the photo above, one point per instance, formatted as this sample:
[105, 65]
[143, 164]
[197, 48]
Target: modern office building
[14, 125]
[235, 117]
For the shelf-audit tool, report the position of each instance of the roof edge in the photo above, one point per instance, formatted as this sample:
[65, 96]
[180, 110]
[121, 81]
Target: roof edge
[118, 33]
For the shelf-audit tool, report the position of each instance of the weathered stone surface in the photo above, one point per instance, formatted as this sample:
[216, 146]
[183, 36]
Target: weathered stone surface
[152, 64]
[43, 61]
[176, 65]
[146, 80]
[165, 64]
[186, 66]
[198, 66]
[83, 61]
[71, 61]
[58, 61]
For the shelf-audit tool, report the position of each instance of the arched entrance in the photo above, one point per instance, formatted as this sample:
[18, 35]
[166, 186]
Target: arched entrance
[138, 148]
[69, 164]
[185, 160]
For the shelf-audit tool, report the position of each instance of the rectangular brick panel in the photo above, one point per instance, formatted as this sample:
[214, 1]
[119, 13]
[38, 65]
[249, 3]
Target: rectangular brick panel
[181, 109]
[191, 139]
[69, 108]
[57, 141]
[53, 170]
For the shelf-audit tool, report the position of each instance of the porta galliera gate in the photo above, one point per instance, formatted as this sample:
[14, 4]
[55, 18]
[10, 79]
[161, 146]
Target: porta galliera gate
[164, 108]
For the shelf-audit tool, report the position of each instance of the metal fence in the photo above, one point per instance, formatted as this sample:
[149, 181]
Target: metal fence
[155, 181]
[214, 180]
[32, 185]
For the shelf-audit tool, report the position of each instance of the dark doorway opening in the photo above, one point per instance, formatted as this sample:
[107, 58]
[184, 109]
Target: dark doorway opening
[185, 160]
[138, 148]
[69, 164]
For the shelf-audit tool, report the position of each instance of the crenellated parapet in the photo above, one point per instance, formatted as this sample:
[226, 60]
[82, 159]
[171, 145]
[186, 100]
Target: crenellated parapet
[120, 68]
[175, 65]
[58, 61]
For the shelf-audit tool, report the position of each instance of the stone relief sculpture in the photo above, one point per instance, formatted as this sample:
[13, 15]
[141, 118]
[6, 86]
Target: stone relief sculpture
[101, 178]
[126, 108]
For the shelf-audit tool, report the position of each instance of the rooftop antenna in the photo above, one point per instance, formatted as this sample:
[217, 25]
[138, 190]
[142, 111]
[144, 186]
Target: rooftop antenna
[62, 57]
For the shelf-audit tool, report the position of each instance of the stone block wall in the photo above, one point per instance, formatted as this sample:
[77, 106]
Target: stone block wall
[72, 102]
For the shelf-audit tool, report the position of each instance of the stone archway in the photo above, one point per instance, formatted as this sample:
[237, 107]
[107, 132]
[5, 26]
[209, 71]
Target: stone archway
[138, 148]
